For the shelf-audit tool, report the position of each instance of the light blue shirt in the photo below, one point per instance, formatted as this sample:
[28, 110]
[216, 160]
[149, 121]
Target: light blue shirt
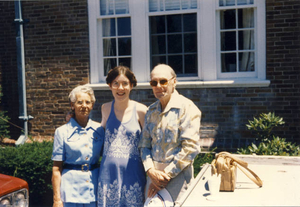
[74, 144]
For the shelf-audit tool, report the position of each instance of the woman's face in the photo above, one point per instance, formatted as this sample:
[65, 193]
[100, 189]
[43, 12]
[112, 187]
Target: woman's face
[120, 87]
[82, 106]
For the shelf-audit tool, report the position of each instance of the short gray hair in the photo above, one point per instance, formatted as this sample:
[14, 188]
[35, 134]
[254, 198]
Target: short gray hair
[84, 89]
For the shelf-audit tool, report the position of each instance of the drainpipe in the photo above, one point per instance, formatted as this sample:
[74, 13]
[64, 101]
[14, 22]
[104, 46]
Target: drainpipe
[21, 73]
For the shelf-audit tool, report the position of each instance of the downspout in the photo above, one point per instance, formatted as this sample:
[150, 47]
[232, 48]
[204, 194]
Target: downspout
[21, 73]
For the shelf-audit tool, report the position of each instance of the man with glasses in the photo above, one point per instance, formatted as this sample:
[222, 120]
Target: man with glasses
[170, 137]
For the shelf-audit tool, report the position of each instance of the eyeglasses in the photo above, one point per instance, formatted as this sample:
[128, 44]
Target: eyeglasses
[162, 82]
[117, 84]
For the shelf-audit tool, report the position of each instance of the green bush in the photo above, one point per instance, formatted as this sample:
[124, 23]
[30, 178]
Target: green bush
[31, 162]
[4, 132]
[201, 159]
[264, 125]
[270, 144]
[276, 146]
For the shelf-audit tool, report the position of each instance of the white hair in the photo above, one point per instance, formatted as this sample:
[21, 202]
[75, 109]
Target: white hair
[82, 89]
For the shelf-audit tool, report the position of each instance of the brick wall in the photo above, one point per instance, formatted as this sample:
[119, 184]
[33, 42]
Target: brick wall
[57, 59]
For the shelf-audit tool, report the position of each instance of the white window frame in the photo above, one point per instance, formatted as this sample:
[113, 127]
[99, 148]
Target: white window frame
[209, 74]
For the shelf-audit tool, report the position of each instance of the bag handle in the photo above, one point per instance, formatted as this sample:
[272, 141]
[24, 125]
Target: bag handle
[244, 165]
[227, 154]
[256, 179]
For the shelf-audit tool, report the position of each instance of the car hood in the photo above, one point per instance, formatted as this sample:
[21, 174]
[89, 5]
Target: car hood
[10, 184]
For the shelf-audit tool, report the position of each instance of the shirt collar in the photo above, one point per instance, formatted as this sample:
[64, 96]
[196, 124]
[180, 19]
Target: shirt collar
[174, 101]
[73, 126]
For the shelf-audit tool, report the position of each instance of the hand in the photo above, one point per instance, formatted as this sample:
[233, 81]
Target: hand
[152, 190]
[58, 204]
[159, 178]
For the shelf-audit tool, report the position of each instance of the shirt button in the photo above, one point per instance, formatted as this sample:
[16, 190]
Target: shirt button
[87, 181]
[86, 158]
[86, 145]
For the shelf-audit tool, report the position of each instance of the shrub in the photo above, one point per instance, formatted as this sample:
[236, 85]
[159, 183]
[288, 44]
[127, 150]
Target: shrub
[270, 143]
[201, 159]
[276, 146]
[31, 162]
[264, 125]
[4, 132]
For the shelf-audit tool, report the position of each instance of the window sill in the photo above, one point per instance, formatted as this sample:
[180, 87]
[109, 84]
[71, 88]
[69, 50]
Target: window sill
[200, 84]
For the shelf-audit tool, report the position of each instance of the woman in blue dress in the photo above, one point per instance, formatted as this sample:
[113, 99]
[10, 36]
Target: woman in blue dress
[76, 151]
[122, 177]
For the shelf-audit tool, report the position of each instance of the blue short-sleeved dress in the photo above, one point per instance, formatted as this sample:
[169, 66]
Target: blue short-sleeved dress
[122, 176]
[76, 145]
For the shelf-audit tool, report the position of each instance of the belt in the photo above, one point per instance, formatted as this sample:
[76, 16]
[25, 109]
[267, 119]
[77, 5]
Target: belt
[83, 168]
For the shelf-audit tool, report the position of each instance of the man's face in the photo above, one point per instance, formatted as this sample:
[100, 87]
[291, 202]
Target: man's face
[162, 83]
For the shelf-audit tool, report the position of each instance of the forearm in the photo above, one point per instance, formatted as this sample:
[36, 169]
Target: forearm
[56, 180]
[183, 158]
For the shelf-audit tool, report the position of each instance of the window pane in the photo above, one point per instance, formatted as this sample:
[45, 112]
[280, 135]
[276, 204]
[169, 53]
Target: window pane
[172, 5]
[153, 5]
[190, 64]
[158, 44]
[232, 2]
[109, 47]
[158, 60]
[228, 41]
[169, 5]
[189, 4]
[228, 62]
[189, 23]
[124, 46]
[157, 24]
[176, 63]
[244, 2]
[122, 6]
[246, 61]
[125, 62]
[173, 23]
[174, 43]
[108, 28]
[228, 19]
[190, 42]
[124, 26]
[109, 64]
[246, 18]
[106, 7]
[246, 40]
[226, 2]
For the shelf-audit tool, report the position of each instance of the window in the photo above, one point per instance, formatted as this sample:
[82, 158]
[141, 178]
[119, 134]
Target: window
[237, 38]
[116, 37]
[202, 40]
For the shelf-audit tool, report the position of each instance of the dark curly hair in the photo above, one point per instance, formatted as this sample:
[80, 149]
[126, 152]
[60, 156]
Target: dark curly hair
[118, 70]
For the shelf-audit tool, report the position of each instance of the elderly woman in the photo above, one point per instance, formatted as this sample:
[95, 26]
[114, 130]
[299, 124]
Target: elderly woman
[76, 152]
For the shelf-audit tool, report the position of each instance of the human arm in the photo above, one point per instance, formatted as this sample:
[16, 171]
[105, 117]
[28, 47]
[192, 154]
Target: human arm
[141, 111]
[105, 110]
[56, 180]
[58, 156]
[159, 178]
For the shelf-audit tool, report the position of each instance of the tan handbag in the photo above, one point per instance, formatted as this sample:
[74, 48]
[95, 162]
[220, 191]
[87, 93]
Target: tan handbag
[226, 164]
